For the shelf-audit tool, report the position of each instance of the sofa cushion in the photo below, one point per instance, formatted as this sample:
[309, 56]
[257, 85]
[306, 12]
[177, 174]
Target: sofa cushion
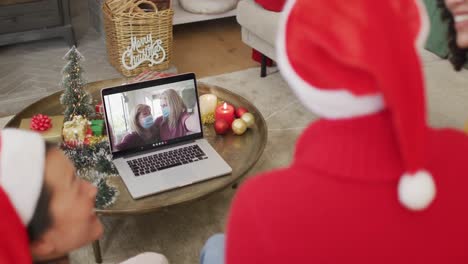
[272, 5]
[259, 21]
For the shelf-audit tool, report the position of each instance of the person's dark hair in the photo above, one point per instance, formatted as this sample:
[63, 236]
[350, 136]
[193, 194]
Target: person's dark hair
[457, 55]
[41, 220]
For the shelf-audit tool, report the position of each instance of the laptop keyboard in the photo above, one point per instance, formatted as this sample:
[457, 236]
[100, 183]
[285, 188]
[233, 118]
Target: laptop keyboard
[166, 160]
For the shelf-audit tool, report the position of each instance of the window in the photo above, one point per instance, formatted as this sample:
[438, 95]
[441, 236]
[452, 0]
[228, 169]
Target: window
[118, 115]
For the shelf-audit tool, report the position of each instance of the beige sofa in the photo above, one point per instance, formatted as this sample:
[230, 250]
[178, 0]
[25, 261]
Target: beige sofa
[259, 29]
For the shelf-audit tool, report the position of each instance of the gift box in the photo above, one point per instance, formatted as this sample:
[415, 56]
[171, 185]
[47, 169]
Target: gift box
[97, 126]
[97, 130]
[97, 122]
[75, 129]
[53, 134]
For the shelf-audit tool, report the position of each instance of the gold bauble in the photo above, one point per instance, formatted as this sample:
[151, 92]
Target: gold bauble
[208, 118]
[239, 126]
[249, 119]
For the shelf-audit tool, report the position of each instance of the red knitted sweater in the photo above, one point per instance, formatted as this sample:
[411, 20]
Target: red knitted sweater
[337, 202]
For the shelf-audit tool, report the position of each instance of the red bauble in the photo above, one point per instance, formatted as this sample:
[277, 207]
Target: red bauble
[221, 126]
[240, 111]
[40, 123]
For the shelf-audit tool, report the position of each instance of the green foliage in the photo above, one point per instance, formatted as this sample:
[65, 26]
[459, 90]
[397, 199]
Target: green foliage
[81, 156]
[75, 99]
[106, 194]
[94, 158]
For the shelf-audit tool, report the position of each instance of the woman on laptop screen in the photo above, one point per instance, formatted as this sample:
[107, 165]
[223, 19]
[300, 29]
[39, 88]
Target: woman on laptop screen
[175, 121]
[144, 129]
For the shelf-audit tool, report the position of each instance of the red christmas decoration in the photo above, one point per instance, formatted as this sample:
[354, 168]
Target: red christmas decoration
[40, 123]
[98, 108]
[71, 143]
[221, 126]
[240, 111]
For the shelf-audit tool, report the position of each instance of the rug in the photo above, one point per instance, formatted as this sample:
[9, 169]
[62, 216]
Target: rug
[180, 231]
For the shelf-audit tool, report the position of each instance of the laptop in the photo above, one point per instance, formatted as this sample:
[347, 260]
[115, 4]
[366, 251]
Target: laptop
[156, 135]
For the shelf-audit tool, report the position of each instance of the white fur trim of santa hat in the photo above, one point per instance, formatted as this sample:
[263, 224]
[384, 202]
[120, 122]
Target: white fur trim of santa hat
[22, 164]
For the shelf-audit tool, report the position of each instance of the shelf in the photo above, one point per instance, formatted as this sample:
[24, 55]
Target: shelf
[182, 17]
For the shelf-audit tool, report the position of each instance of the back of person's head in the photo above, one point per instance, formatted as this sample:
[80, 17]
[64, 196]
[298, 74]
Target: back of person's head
[378, 68]
[54, 206]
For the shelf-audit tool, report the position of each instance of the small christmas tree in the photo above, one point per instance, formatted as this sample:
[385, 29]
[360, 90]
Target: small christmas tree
[75, 99]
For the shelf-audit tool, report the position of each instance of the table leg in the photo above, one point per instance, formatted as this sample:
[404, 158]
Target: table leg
[263, 67]
[97, 251]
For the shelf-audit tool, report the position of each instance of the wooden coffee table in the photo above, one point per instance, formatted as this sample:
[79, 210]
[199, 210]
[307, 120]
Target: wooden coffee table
[240, 152]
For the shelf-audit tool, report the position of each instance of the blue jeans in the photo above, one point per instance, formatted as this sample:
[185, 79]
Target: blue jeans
[213, 250]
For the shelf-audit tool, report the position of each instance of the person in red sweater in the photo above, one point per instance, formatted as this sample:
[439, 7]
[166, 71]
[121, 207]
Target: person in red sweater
[370, 181]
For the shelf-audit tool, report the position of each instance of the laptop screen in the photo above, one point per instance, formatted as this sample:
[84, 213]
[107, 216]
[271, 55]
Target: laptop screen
[152, 114]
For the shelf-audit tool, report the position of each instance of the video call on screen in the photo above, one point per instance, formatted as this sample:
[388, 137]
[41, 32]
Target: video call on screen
[153, 115]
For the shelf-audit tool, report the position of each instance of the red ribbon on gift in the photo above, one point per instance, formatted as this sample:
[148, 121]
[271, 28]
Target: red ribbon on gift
[40, 123]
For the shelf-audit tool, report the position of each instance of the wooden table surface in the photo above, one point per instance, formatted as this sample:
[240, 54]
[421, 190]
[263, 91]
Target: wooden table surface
[240, 152]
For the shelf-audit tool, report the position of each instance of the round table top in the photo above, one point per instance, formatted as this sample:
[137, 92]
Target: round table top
[240, 152]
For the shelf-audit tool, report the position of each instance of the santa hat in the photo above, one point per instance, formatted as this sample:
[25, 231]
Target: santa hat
[346, 60]
[22, 164]
[14, 243]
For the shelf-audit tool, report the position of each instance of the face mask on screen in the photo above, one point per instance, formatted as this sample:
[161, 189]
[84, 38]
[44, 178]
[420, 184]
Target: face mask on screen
[165, 111]
[147, 122]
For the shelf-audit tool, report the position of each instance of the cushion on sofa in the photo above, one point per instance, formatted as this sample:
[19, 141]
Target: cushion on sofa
[272, 5]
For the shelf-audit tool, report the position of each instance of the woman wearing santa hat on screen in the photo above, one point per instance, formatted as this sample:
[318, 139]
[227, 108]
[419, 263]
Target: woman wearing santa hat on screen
[370, 182]
[46, 211]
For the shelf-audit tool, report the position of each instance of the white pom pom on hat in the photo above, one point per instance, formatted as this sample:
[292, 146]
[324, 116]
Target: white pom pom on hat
[416, 191]
[22, 164]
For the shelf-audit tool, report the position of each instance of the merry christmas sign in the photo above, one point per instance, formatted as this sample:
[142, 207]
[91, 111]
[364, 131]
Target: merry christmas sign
[143, 50]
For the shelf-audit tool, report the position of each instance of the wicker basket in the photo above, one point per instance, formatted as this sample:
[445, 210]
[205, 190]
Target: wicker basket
[138, 36]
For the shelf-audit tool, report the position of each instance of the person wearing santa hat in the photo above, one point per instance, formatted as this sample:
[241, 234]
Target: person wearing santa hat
[14, 244]
[47, 211]
[370, 182]
[55, 206]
